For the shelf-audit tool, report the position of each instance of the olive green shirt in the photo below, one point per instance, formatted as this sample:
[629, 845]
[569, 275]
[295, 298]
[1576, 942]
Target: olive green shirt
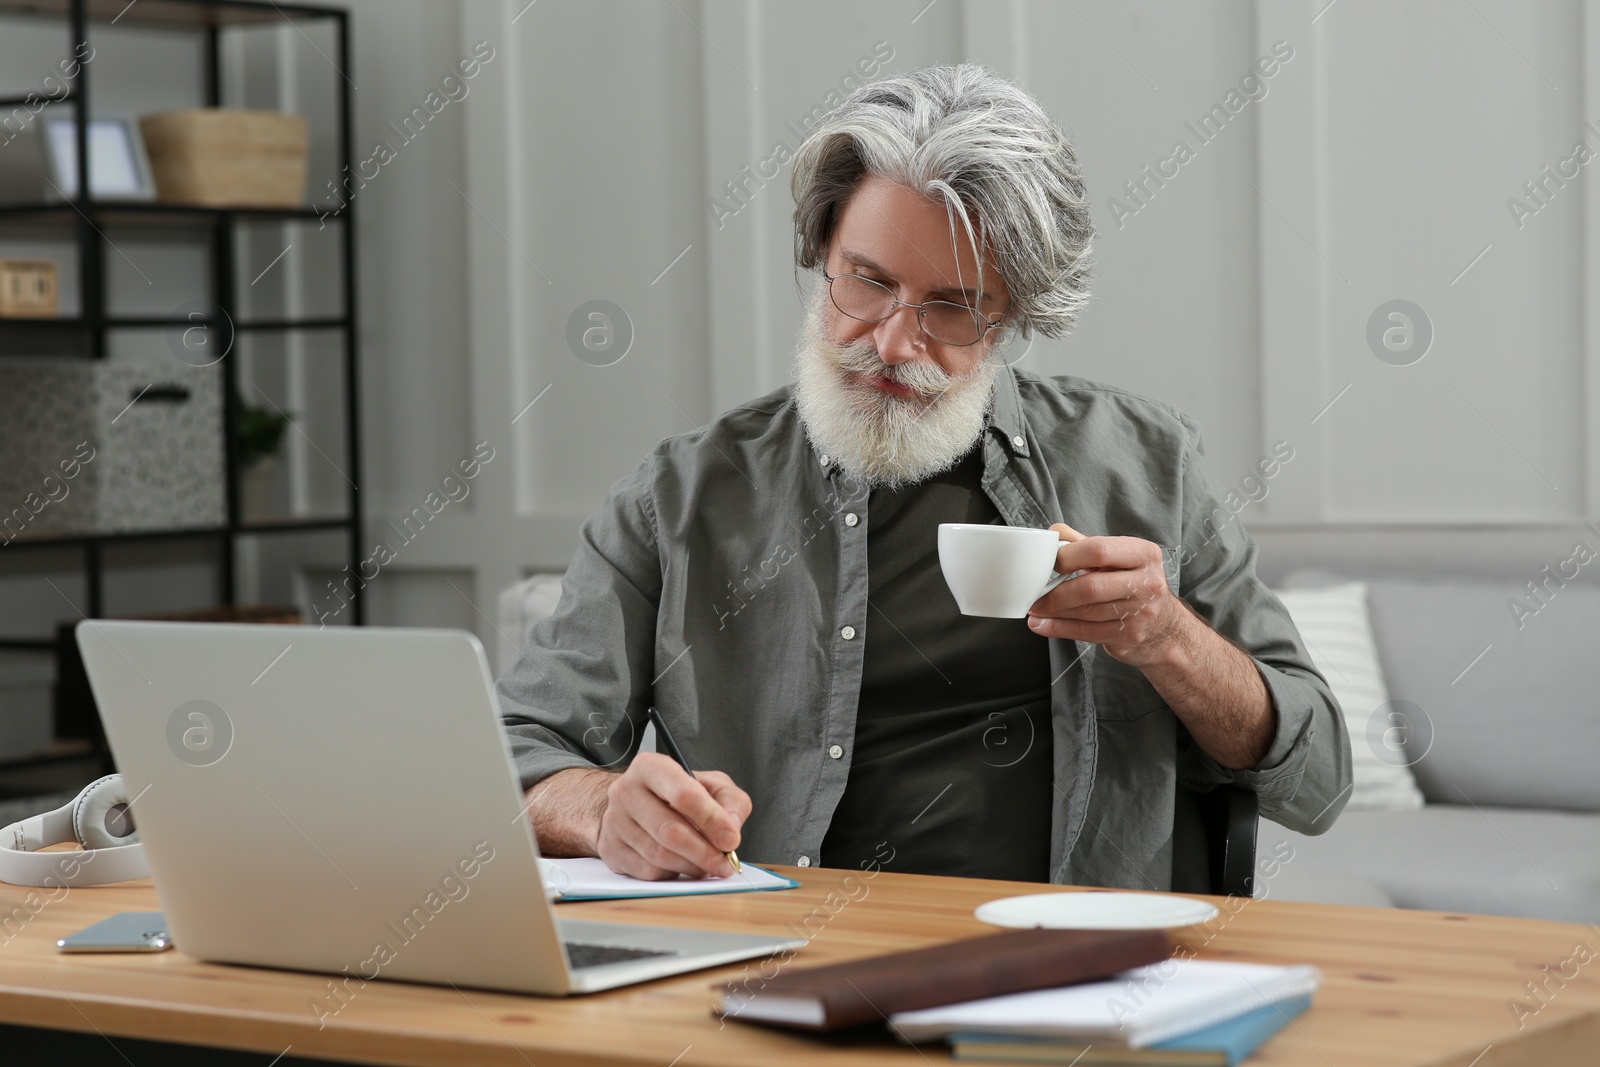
[725, 581]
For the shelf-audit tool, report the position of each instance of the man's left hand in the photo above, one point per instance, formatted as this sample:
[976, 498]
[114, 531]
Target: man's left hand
[1121, 601]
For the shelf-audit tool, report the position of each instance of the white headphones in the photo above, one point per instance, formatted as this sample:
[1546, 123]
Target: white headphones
[99, 819]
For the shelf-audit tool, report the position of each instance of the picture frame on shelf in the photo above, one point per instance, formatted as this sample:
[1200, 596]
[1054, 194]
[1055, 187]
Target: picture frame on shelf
[119, 169]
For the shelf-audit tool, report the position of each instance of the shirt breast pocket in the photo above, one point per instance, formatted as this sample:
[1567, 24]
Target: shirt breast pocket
[1122, 693]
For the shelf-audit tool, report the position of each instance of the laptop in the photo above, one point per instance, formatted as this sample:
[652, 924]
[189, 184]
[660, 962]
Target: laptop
[343, 800]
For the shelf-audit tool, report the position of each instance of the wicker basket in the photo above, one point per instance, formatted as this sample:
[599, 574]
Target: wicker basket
[227, 157]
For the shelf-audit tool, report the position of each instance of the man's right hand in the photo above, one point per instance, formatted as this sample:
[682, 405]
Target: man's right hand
[652, 821]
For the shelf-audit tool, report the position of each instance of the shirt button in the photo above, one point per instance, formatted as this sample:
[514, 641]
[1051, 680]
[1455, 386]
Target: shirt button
[1019, 441]
[835, 751]
[848, 633]
[826, 459]
[851, 519]
[804, 861]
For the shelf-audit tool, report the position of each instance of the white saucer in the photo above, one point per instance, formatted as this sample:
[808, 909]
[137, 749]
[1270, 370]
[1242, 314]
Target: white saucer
[1096, 911]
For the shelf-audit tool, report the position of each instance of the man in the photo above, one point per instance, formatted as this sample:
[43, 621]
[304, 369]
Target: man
[770, 582]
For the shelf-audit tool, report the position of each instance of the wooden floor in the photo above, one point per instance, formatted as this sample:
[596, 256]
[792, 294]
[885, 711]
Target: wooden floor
[1401, 987]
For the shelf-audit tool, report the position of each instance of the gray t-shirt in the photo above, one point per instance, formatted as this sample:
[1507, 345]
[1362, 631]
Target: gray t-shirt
[951, 765]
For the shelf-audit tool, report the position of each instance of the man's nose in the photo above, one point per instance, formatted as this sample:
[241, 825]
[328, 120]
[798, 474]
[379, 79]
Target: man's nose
[899, 337]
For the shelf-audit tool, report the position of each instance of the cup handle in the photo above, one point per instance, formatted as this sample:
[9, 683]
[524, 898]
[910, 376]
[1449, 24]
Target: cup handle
[1057, 578]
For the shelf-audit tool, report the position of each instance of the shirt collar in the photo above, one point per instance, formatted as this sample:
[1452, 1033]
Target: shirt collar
[1005, 412]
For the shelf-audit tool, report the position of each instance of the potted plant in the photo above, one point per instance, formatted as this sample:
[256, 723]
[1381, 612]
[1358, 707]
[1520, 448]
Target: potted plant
[260, 435]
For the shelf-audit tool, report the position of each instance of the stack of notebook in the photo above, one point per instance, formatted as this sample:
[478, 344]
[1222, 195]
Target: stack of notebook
[1080, 997]
[1178, 1013]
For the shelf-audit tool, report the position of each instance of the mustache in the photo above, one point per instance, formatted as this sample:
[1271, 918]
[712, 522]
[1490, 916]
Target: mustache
[925, 379]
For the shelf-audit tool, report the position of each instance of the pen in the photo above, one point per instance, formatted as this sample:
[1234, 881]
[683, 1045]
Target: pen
[666, 744]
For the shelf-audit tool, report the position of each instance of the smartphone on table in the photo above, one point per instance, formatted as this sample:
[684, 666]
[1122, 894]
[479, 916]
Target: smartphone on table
[131, 931]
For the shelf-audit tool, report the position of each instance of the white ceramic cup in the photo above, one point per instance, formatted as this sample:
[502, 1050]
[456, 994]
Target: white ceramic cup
[998, 571]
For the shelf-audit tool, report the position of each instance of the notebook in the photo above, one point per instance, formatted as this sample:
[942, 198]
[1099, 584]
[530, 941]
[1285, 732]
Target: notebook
[588, 878]
[1223, 1045]
[1135, 1009]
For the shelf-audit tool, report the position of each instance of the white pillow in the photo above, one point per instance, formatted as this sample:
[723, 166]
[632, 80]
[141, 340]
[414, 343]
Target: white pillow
[520, 606]
[1336, 630]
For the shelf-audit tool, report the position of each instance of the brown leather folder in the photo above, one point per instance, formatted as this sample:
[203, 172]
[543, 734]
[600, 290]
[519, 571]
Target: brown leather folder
[870, 990]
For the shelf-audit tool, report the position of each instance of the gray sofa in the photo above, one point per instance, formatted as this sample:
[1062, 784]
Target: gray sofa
[1505, 749]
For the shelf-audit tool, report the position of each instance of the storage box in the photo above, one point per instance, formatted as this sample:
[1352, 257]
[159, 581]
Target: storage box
[227, 157]
[79, 454]
[29, 289]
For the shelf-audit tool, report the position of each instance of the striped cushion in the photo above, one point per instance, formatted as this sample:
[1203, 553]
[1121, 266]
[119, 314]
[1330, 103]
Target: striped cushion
[1336, 630]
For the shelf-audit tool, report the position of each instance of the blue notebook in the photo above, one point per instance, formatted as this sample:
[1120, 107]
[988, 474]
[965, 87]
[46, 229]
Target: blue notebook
[588, 878]
[1223, 1044]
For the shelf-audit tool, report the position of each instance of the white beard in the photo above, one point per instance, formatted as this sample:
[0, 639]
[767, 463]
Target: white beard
[883, 439]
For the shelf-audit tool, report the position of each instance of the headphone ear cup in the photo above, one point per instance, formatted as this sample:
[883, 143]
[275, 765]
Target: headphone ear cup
[102, 817]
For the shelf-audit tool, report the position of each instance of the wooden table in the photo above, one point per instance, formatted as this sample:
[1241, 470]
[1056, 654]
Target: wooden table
[1401, 987]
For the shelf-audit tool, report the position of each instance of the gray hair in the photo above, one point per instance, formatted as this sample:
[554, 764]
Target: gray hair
[983, 145]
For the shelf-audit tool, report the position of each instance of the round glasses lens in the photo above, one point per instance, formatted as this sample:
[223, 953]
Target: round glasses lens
[953, 324]
[861, 298]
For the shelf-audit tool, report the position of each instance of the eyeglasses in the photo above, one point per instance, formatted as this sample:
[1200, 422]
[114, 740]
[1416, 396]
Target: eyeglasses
[943, 320]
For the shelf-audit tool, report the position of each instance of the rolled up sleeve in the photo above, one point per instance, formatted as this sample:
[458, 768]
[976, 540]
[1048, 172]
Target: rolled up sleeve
[1304, 779]
[578, 694]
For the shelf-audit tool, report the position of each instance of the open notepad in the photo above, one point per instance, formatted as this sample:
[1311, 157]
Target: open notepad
[588, 878]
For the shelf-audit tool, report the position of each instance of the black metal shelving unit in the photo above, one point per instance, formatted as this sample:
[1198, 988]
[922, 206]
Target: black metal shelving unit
[86, 332]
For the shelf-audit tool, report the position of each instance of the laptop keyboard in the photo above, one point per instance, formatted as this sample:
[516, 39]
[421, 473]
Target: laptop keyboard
[584, 955]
